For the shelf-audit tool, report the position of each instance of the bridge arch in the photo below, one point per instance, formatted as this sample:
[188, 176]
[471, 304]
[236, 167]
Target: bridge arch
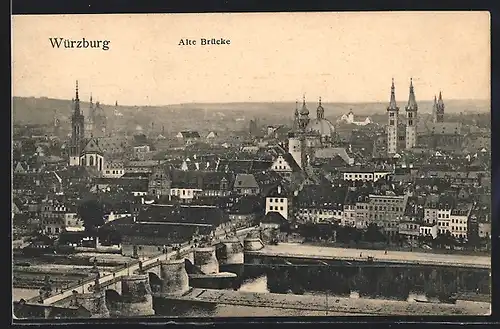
[155, 282]
[112, 295]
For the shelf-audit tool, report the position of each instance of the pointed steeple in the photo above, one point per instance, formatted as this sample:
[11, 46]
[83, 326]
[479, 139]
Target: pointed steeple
[296, 108]
[392, 102]
[440, 100]
[77, 100]
[412, 102]
[304, 110]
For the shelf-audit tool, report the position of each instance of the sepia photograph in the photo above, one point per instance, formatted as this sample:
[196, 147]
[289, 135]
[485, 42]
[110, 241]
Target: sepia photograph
[251, 165]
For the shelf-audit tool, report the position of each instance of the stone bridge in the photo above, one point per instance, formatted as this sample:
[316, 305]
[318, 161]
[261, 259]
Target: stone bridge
[129, 291]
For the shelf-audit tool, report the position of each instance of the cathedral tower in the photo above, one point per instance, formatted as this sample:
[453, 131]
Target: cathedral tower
[411, 119]
[392, 124]
[440, 109]
[77, 131]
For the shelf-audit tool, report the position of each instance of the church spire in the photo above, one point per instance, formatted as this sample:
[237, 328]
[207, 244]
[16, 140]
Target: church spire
[392, 102]
[412, 102]
[77, 100]
[440, 99]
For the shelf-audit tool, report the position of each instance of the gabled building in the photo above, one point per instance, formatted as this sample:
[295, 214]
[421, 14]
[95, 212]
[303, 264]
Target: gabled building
[279, 200]
[285, 165]
[245, 184]
[188, 137]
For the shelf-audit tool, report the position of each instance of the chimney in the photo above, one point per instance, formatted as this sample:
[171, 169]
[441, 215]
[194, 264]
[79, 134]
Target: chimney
[279, 189]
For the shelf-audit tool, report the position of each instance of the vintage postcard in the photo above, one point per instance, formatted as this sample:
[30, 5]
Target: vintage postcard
[251, 164]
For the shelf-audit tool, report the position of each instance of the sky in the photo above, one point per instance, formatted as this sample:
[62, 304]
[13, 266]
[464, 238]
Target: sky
[273, 57]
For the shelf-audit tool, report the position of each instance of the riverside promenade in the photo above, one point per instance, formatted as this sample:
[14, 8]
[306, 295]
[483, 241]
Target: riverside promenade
[297, 250]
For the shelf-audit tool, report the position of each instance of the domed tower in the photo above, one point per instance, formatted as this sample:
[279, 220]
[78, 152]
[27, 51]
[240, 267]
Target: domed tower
[392, 124]
[411, 119]
[303, 115]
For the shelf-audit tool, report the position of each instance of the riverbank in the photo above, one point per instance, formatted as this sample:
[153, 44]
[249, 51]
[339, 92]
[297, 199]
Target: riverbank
[383, 246]
[332, 305]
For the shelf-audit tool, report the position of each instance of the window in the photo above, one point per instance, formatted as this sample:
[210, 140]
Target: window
[281, 208]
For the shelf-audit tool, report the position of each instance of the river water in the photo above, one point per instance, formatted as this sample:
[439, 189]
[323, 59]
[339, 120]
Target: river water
[257, 284]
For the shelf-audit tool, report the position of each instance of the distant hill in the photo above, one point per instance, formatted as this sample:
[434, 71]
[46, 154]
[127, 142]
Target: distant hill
[42, 110]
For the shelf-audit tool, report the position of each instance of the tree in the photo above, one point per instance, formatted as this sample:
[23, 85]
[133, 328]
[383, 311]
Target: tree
[373, 234]
[91, 212]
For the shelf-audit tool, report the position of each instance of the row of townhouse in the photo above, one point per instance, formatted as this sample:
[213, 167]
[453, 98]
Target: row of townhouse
[402, 215]
[57, 217]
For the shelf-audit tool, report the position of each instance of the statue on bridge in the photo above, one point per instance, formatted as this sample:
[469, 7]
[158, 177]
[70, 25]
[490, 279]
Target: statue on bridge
[46, 290]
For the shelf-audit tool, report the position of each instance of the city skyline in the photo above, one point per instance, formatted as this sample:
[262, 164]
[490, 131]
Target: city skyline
[265, 71]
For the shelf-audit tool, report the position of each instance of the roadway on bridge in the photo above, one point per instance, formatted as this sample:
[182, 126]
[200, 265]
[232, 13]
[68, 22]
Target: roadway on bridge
[301, 250]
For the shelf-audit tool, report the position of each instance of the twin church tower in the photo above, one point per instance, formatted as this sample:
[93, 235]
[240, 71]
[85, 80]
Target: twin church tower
[411, 110]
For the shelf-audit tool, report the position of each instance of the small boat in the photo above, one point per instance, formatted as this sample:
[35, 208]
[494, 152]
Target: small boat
[422, 301]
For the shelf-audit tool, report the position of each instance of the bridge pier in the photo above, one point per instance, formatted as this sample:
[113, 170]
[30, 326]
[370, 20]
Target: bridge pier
[136, 298]
[230, 252]
[206, 260]
[94, 302]
[175, 280]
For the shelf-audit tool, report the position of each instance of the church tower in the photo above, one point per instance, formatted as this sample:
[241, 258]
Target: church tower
[320, 111]
[89, 120]
[77, 131]
[296, 117]
[434, 110]
[440, 109]
[392, 124]
[411, 119]
[303, 115]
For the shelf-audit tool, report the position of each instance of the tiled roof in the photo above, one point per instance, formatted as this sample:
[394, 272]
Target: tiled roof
[321, 196]
[204, 215]
[277, 190]
[160, 234]
[190, 134]
[273, 217]
[243, 166]
[204, 180]
[291, 162]
[245, 181]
